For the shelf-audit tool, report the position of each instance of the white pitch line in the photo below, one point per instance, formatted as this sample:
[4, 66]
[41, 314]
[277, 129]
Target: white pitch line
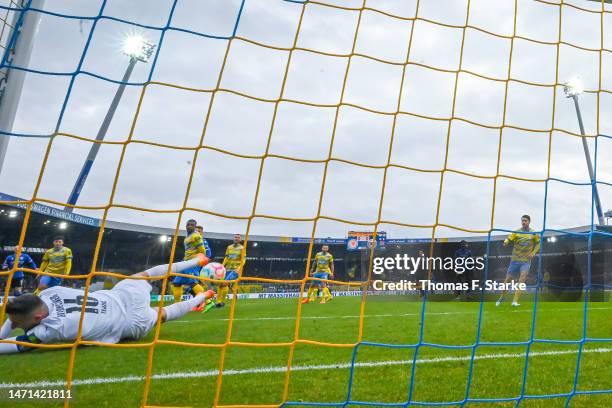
[381, 315]
[283, 369]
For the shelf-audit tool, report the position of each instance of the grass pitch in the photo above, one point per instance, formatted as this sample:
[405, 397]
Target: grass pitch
[187, 375]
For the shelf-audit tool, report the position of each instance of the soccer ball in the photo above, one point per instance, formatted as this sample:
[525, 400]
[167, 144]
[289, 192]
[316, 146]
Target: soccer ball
[214, 270]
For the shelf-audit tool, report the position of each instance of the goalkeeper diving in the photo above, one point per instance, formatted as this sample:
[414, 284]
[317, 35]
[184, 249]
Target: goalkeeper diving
[122, 313]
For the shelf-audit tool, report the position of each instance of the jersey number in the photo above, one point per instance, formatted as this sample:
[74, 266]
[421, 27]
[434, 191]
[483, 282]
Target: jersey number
[90, 307]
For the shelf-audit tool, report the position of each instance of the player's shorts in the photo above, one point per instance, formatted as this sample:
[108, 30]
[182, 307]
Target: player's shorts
[320, 275]
[181, 280]
[231, 275]
[135, 294]
[50, 281]
[517, 267]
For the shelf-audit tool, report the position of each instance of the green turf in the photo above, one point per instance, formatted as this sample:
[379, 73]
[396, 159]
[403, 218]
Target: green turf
[322, 373]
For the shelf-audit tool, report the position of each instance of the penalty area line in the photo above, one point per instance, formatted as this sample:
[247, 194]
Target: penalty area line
[268, 370]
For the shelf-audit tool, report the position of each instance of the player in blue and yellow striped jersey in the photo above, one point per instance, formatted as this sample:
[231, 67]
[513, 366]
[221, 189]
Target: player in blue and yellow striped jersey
[56, 260]
[194, 245]
[322, 268]
[233, 261]
[24, 260]
[526, 245]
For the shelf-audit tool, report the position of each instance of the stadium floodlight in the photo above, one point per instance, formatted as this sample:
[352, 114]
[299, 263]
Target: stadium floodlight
[552, 239]
[63, 225]
[12, 214]
[572, 89]
[138, 49]
[163, 238]
[254, 244]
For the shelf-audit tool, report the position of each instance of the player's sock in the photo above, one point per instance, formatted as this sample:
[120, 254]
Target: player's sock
[177, 292]
[209, 305]
[197, 289]
[161, 270]
[37, 291]
[326, 294]
[309, 294]
[182, 308]
[313, 294]
[222, 294]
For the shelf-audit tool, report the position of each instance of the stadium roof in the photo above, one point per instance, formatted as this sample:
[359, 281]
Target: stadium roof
[57, 213]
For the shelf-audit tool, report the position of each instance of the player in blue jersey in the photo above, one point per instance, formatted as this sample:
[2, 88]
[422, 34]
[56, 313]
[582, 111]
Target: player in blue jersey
[208, 251]
[24, 261]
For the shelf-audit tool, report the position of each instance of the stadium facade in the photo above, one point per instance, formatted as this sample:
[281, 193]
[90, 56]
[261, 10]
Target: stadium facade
[126, 248]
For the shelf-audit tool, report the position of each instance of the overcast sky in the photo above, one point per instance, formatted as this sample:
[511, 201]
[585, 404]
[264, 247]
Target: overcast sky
[157, 178]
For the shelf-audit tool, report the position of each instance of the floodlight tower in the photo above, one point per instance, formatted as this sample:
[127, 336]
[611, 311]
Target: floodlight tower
[572, 89]
[139, 50]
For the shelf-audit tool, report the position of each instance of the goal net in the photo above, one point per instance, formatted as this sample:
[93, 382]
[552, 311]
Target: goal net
[314, 118]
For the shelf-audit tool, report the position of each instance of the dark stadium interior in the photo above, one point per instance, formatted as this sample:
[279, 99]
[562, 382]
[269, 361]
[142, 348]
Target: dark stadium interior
[564, 266]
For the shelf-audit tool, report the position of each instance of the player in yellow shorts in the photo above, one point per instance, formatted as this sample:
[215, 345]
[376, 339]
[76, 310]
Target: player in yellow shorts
[234, 260]
[56, 260]
[322, 268]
